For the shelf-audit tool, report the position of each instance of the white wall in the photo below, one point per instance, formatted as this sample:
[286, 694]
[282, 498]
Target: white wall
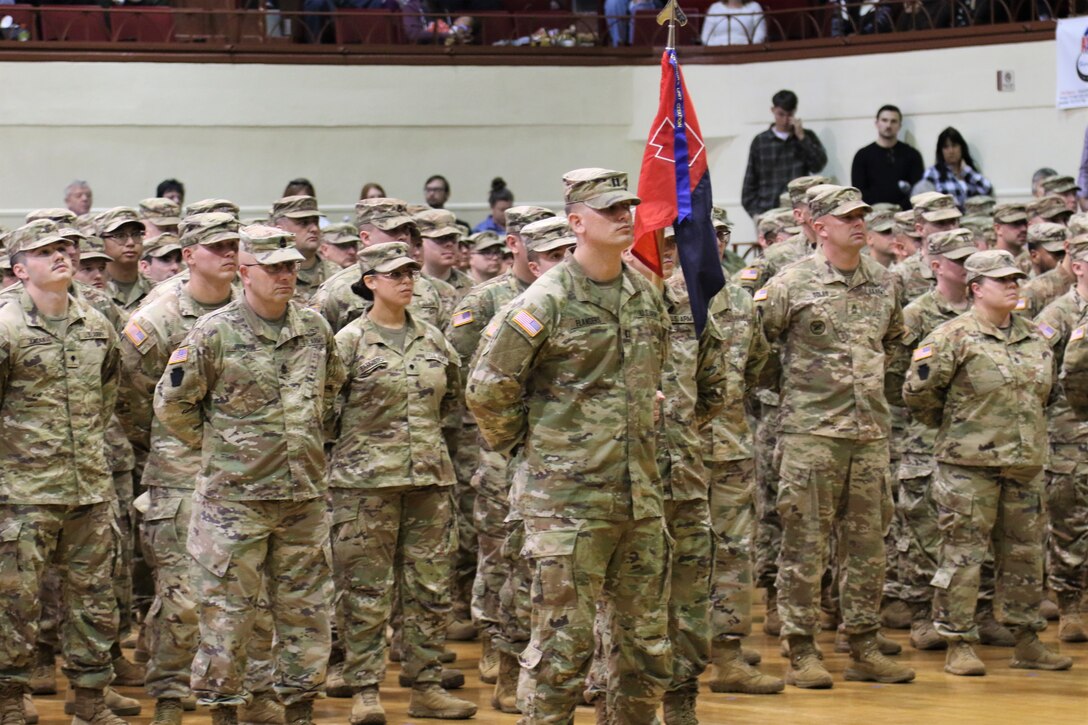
[241, 131]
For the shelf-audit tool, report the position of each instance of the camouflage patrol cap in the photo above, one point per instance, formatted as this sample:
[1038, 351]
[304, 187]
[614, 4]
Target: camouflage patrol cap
[160, 212]
[720, 218]
[981, 204]
[206, 206]
[994, 263]
[597, 188]
[1078, 247]
[210, 228]
[518, 216]
[882, 218]
[485, 240]
[434, 223]
[341, 234]
[1078, 223]
[779, 219]
[954, 243]
[383, 213]
[1010, 212]
[797, 187]
[300, 206]
[1051, 237]
[63, 217]
[904, 224]
[836, 201]
[38, 233]
[385, 257]
[547, 234]
[161, 245]
[414, 209]
[1049, 207]
[981, 226]
[784, 199]
[269, 245]
[113, 219]
[933, 206]
[1059, 184]
[93, 248]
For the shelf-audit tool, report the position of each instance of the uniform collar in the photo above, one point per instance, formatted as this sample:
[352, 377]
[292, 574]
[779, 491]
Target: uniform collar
[372, 336]
[1018, 330]
[292, 323]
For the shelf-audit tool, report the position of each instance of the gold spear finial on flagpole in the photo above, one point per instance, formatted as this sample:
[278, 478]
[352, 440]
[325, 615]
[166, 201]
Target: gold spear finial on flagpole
[673, 15]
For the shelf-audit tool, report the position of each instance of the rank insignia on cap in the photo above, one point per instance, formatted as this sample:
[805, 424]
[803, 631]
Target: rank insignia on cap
[1022, 303]
[1047, 330]
[135, 334]
[760, 295]
[527, 322]
[1077, 334]
[178, 356]
[749, 273]
[922, 353]
[463, 318]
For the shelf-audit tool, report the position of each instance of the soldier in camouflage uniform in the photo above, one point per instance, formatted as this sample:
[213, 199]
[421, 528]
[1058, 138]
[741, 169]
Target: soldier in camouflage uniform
[574, 359]
[1048, 208]
[389, 479]
[723, 228]
[251, 385]
[340, 245]
[933, 212]
[837, 332]
[123, 234]
[983, 379]
[159, 216]
[299, 216]
[490, 479]
[1040, 291]
[57, 499]
[162, 258]
[1067, 465]
[1011, 233]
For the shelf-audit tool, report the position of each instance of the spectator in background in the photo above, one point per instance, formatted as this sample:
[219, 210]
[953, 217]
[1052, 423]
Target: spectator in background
[171, 189]
[500, 199]
[618, 15]
[317, 25]
[78, 197]
[886, 169]
[954, 172]
[781, 153]
[436, 192]
[372, 190]
[1037, 179]
[734, 22]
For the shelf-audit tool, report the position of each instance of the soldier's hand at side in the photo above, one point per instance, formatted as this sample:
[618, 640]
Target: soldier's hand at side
[659, 399]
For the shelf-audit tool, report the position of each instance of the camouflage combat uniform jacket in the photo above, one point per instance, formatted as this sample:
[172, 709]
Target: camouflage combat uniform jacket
[339, 304]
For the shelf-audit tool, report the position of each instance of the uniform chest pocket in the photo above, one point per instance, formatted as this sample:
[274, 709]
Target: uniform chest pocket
[983, 374]
[247, 384]
[816, 324]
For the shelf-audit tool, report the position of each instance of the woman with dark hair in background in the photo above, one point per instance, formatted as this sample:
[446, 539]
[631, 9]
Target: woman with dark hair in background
[372, 190]
[500, 199]
[954, 172]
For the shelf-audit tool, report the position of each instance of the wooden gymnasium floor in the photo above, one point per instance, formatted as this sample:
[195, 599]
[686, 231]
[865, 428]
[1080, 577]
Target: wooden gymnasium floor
[1002, 696]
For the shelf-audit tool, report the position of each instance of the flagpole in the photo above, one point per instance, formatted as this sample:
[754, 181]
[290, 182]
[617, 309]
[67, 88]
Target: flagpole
[672, 15]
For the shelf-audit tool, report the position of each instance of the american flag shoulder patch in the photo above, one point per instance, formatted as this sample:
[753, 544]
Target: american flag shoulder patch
[525, 320]
[1047, 330]
[749, 273]
[1022, 303]
[178, 356]
[922, 353]
[1076, 334]
[462, 318]
[135, 333]
[760, 295]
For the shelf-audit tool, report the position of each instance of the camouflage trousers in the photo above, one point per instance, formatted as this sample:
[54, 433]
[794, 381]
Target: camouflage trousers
[381, 539]
[491, 567]
[825, 484]
[83, 542]
[576, 563]
[768, 533]
[516, 607]
[237, 548]
[172, 627]
[466, 457]
[893, 587]
[1067, 523]
[733, 517]
[979, 507]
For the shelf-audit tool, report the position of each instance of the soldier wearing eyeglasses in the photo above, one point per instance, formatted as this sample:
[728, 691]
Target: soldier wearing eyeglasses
[122, 232]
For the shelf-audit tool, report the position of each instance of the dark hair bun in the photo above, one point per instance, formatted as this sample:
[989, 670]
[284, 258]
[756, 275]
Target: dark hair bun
[498, 184]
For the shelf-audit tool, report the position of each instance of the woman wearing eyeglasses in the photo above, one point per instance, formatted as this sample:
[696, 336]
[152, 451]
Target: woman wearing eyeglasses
[389, 479]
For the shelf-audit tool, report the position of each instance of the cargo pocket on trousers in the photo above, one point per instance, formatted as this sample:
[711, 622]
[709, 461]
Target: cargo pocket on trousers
[9, 557]
[552, 553]
[214, 560]
[530, 657]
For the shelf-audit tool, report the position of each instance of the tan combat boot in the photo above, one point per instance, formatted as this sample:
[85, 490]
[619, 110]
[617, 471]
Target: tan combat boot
[366, 708]
[885, 645]
[299, 713]
[431, 701]
[806, 670]
[896, 614]
[680, 706]
[772, 623]
[461, 630]
[128, 674]
[12, 705]
[751, 656]
[1071, 628]
[1049, 609]
[225, 715]
[869, 664]
[167, 712]
[30, 713]
[992, 632]
[334, 682]
[923, 635]
[733, 674]
[188, 703]
[91, 709]
[115, 701]
[505, 697]
[961, 660]
[43, 678]
[1032, 654]
[450, 679]
[489, 661]
[263, 709]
